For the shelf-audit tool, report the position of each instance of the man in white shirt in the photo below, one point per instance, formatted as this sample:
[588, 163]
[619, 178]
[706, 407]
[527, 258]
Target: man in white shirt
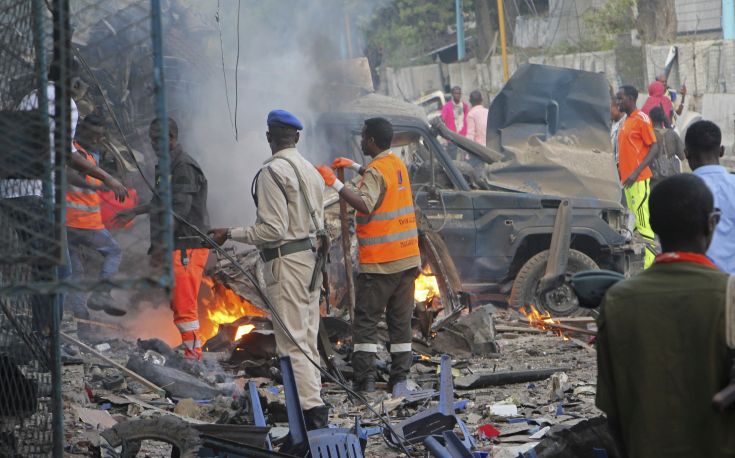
[477, 119]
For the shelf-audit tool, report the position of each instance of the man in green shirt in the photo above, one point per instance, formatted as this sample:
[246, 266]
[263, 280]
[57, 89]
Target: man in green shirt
[661, 345]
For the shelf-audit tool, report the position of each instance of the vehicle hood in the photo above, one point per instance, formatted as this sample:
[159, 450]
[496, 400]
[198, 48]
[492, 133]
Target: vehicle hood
[552, 127]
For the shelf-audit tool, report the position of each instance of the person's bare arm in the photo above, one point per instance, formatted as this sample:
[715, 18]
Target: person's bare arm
[74, 179]
[683, 92]
[85, 167]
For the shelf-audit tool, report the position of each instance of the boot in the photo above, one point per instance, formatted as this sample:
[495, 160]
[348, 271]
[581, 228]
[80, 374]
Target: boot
[363, 366]
[364, 387]
[104, 301]
[316, 418]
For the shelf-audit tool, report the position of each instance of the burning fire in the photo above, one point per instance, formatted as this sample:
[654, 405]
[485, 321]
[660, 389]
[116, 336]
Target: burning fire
[540, 320]
[224, 306]
[425, 287]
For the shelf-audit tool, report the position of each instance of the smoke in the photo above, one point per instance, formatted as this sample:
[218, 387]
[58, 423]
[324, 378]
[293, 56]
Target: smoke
[285, 48]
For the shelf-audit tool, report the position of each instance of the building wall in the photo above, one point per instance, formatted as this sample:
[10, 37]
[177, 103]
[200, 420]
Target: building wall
[706, 67]
[694, 16]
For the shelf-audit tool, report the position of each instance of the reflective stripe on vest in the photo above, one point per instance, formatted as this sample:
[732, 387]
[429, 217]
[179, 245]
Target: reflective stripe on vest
[389, 232]
[83, 205]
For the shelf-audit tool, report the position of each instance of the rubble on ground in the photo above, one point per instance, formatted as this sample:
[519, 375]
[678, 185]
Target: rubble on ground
[504, 418]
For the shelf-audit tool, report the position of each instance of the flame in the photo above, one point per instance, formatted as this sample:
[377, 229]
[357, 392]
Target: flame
[539, 320]
[224, 306]
[243, 330]
[425, 287]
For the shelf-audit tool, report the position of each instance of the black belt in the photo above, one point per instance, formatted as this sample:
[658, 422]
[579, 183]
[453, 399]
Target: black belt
[269, 254]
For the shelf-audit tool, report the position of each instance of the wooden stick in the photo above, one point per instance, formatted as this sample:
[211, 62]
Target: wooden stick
[565, 328]
[98, 323]
[575, 319]
[584, 345]
[346, 249]
[502, 328]
[155, 388]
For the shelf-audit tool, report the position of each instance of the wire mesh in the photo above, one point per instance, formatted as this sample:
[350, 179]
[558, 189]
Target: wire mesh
[80, 84]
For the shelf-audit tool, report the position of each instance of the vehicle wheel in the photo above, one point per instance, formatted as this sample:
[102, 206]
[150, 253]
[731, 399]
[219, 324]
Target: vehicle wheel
[171, 430]
[561, 301]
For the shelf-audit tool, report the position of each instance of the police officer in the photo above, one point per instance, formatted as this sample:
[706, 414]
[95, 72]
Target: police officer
[189, 201]
[289, 194]
[388, 252]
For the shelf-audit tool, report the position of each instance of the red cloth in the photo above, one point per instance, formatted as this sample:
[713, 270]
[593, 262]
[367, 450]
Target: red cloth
[657, 97]
[448, 117]
[110, 207]
[682, 256]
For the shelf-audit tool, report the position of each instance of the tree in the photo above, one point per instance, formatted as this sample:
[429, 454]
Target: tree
[405, 29]
[657, 20]
[486, 18]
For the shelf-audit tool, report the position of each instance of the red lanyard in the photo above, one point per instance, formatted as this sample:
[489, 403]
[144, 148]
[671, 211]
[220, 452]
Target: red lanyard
[684, 256]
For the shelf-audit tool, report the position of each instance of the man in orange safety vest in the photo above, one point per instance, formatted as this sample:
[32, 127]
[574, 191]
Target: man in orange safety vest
[388, 253]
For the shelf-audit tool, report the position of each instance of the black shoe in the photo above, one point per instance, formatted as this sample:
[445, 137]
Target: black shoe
[104, 301]
[288, 447]
[316, 418]
[365, 387]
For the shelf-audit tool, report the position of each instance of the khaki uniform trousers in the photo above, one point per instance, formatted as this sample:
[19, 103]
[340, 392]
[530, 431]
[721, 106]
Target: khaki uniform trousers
[287, 285]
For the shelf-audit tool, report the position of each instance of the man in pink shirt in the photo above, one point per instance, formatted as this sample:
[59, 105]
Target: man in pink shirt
[477, 119]
[454, 112]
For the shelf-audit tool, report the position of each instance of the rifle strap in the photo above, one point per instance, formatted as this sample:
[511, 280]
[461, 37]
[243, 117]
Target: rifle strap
[302, 187]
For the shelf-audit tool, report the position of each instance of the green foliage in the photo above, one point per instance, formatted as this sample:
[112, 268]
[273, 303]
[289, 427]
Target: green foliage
[605, 22]
[406, 29]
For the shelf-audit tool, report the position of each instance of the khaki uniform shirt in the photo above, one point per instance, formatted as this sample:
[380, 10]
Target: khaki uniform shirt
[661, 356]
[372, 189]
[282, 213]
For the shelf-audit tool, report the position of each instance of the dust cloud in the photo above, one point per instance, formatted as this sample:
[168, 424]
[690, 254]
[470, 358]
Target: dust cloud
[283, 49]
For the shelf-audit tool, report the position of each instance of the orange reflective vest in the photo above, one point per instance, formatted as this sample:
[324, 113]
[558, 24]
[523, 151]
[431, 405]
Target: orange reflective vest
[83, 205]
[389, 232]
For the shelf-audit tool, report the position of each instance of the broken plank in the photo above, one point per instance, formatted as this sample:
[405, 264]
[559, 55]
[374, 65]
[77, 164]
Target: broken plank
[584, 345]
[98, 324]
[480, 380]
[143, 381]
[564, 328]
[503, 328]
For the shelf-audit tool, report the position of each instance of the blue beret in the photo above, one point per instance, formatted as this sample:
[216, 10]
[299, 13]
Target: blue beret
[284, 118]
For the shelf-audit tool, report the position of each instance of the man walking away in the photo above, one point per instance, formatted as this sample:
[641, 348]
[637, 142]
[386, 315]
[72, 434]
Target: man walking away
[289, 194]
[670, 151]
[189, 201]
[636, 150]
[84, 225]
[661, 346]
[703, 151]
[477, 119]
[388, 251]
[454, 112]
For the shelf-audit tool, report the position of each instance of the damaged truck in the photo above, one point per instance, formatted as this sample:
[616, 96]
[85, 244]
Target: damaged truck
[517, 218]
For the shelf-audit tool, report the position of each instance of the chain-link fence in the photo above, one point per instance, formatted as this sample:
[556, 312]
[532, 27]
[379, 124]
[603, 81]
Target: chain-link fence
[80, 84]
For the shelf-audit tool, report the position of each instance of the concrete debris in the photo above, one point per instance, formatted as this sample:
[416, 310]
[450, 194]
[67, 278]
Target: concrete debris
[542, 387]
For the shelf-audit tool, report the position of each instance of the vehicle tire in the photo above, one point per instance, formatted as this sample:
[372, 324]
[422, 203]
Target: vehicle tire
[175, 431]
[559, 302]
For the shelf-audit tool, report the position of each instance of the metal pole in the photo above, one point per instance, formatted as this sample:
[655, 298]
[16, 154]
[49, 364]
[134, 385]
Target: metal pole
[460, 29]
[163, 186]
[728, 19]
[62, 143]
[503, 43]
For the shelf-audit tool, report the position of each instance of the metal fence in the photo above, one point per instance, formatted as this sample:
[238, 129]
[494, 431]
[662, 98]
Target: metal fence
[78, 79]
